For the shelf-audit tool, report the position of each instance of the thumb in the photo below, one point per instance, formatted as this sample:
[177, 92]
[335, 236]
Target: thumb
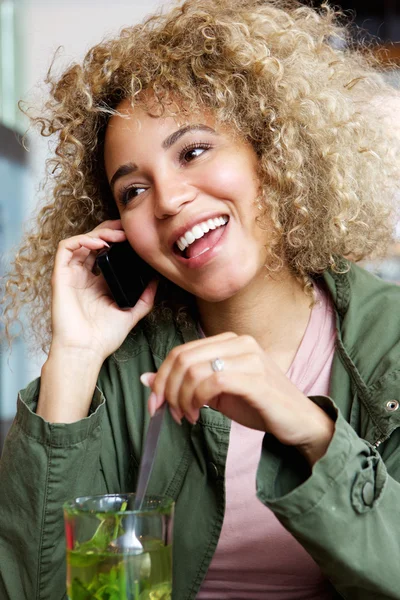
[145, 303]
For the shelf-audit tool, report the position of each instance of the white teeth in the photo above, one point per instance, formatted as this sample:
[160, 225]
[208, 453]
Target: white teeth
[199, 230]
[189, 237]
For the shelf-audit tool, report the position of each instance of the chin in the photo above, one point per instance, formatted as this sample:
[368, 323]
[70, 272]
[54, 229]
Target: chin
[219, 293]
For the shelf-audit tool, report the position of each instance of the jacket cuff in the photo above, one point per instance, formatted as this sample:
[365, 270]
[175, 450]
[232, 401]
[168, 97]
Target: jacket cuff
[56, 434]
[305, 488]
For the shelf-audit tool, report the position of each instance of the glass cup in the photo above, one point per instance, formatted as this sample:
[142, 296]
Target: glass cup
[117, 553]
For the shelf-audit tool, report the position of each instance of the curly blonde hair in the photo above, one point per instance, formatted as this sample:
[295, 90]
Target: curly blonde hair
[284, 75]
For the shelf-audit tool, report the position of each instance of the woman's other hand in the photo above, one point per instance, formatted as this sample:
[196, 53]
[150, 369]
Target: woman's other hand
[250, 389]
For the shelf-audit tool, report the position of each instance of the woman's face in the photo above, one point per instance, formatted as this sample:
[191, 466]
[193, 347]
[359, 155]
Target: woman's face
[175, 182]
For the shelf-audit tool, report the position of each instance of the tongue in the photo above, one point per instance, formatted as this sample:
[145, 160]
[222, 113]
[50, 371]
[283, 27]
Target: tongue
[207, 241]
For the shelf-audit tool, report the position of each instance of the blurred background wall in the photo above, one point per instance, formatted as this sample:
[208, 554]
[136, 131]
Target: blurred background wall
[30, 33]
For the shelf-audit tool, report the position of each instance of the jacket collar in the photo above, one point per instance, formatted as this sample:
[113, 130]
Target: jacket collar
[368, 327]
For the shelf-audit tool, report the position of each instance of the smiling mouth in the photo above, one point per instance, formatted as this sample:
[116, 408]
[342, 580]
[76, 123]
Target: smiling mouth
[201, 237]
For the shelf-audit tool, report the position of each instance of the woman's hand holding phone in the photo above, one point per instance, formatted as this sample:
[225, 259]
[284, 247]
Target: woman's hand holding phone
[87, 325]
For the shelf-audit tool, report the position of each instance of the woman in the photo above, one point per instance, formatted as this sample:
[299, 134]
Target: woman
[231, 144]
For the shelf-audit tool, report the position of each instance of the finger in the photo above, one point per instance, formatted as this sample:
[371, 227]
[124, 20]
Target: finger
[90, 261]
[66, 248]
[147, 379]
[144, 305]
[210, 388]
[79, 257]
[151, 404]
[175, 415]
[241, 397]
[172, 371]
[152, 407]
[182, 357]
[248, 364]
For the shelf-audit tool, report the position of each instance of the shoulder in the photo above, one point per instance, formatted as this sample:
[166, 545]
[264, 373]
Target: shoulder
[358, 289]
[368, 319]
[363, 301]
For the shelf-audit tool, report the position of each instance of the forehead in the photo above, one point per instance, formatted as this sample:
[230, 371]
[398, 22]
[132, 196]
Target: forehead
[137, 132]
[147, 115]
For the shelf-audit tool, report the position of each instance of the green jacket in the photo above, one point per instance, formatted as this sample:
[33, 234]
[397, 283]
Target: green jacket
[346, 513]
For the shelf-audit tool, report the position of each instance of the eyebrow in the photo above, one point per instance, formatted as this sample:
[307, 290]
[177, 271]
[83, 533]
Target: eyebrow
[129, 168]
[174, 137]
[121, 172]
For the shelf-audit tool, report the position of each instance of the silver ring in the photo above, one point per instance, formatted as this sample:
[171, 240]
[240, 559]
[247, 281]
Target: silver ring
[217, 365]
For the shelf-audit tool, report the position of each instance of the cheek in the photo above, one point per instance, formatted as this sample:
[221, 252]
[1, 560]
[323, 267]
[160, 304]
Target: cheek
[233, 178]
[140, 233]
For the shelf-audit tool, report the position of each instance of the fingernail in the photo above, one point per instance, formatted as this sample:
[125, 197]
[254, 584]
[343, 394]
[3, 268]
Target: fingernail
[145, 378]
[152, 403]
[191, 419]
[175, 415]
[194, 416]
[102, 241]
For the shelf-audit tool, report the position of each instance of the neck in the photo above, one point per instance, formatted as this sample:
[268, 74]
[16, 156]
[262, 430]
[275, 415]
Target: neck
[274, 311]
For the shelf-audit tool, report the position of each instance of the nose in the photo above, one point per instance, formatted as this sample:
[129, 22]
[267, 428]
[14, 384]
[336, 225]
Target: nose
[172, 194]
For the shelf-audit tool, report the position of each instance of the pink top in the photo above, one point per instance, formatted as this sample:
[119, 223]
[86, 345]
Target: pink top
[256, 557]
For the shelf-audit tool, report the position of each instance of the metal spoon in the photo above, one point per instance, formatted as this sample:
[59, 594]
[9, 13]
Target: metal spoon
[129, 541]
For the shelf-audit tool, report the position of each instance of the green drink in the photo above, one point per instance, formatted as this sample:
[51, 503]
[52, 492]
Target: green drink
[103, 563]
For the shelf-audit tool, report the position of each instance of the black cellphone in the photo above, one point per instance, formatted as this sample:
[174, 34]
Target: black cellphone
[127, 275]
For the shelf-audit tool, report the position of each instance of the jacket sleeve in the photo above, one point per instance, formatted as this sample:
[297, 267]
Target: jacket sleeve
[345, 513]
[41, 467]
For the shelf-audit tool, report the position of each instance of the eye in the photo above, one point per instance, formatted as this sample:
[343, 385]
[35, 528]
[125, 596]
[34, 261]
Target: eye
[126, 195]
[193, 151]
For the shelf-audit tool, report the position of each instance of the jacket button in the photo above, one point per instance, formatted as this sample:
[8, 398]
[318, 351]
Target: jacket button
[213, 470]
[368, 493]
[392, 405]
